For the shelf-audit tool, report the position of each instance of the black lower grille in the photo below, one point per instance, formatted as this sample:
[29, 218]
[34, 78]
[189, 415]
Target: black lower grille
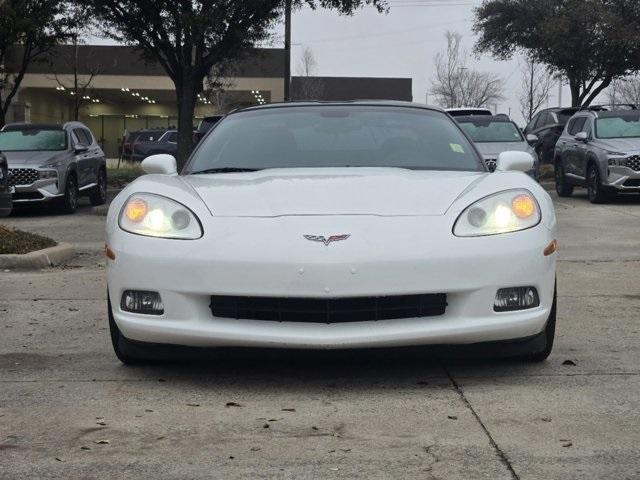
[632, 182]
[333, 310]
[28, 196]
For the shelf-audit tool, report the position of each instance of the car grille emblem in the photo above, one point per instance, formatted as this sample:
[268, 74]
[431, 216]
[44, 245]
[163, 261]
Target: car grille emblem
[326, 240]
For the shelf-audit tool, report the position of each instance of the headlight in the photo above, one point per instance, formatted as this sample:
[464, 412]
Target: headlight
[503, 212]
[48, 174]
[157, 216]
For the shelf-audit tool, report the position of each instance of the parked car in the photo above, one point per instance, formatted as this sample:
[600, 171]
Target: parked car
[54, 164]
[363, 224]
[206, 124]
[548, 125]
[153, 144]
[467, 111]
[5, 189]
[496, 134]
[599, 150]
[145, 135]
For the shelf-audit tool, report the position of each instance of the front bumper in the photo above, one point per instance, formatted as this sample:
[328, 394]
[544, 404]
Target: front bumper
[383, 257]
[29, 188]
[623, 178]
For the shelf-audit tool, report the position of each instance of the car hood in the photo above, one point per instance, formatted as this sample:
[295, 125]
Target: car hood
[341, 191]
[623, 145]
[35, 159]
[495, 148]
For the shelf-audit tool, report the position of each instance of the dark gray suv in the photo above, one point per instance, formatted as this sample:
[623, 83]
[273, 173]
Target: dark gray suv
[54, 163]
[599, 150]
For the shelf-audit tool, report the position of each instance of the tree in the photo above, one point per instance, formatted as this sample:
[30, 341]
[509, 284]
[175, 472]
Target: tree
[28, 30]
[189, 37]
[627, 91]
[308, 63]
[79, 86]
[536, 85]
[590, 42]
[457, 85]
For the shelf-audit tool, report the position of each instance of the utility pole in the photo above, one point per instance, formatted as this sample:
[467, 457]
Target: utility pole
[287, 50]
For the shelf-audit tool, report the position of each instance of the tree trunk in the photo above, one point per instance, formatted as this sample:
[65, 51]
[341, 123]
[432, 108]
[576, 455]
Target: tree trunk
[186, 94]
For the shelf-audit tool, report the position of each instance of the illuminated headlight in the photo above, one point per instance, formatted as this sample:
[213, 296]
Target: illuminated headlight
[504, 212]
[157, 216]
[48, 174]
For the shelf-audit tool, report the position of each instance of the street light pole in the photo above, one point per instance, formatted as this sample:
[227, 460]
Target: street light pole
[287, 50]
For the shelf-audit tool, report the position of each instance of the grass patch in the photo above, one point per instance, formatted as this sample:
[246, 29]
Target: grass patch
[17, 241]
[127, 172]
[546, 172]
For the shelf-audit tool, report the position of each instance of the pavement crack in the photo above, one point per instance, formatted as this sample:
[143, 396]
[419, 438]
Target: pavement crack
[501, 455]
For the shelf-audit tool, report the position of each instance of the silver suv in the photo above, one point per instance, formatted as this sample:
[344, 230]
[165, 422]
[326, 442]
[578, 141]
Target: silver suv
[599, 150]
[54, 163]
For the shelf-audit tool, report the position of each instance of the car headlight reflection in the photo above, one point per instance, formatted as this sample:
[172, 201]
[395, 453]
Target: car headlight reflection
[504, 212]
[157, 216]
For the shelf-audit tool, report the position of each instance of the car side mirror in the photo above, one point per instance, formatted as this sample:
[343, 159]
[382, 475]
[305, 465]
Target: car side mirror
[532, 139]
[582, 137]
[79, 148]
[512, 160]
[161, 163]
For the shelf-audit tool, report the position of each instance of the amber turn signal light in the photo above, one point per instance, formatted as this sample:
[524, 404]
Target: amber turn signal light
[109, 253]
[523, 206]
[136, 210]
[551, 248]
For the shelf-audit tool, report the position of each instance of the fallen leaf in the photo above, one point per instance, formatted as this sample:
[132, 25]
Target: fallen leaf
[314, 428]
[59, 459]
[232, 404]
[266, 425]
[231, 457]
[101, 423]
[569, 362]
[545, 419]
[288, 409]
[148, 410]
[102, 442]
[567, 444]
[193, 404]
[255, 449]
[84, 448]
[452, 417]
[345, 450]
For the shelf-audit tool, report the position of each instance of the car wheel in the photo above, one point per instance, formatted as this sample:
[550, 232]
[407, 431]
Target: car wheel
[543, 344]
[595, 191]
[69, 202]
[127, 351]
[98, 194]
[563, 188]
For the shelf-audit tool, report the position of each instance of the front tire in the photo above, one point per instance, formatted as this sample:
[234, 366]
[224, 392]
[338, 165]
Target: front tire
[595, 190]
[126, 351]
[69, 202]
[563, 188]
[546, 338]
[98, 194]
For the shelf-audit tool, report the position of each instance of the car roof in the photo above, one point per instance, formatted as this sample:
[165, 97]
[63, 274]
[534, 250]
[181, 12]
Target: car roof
[501, 117]
[31, 126]
[609, 113]
[312, 103]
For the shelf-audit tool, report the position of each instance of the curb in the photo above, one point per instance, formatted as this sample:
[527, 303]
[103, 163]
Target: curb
[47, 257]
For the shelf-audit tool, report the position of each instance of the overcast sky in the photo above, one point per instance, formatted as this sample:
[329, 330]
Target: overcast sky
[402, 43]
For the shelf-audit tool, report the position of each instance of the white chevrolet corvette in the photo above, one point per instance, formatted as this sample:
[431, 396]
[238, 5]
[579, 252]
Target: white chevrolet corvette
[333, 225]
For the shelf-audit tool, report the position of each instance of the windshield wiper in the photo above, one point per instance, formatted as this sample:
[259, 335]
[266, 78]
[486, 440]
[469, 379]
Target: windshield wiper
[226, 170]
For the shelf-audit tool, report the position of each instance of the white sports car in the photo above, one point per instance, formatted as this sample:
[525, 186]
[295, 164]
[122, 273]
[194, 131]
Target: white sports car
[333, 225]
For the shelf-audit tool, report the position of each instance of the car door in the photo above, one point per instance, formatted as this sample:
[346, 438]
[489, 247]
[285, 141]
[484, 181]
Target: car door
[543, 129]
[582, 149]
[570, 150]
[95, 156]
[81, 156]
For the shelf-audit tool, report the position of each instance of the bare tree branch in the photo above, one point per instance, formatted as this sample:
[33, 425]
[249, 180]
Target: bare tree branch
[537, 82]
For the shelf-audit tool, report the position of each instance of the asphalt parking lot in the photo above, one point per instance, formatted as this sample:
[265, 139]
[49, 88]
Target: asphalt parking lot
[69, 409]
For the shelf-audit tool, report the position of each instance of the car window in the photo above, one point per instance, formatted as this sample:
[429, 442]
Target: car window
[485, 132]
[544, 119]
[172, 137]
[88, 135]
[575, 125]
[80, 138]
[587, 126]
[337, 136]
[33, 139]
[531, 125]
[623, 126]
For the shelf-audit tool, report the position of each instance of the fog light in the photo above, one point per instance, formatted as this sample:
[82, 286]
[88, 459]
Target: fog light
[137, 301]
[516, 298]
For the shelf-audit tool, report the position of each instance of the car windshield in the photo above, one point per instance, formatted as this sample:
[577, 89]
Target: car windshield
[623, 126]
[487, 131]
[336, 136]
[33, 139]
